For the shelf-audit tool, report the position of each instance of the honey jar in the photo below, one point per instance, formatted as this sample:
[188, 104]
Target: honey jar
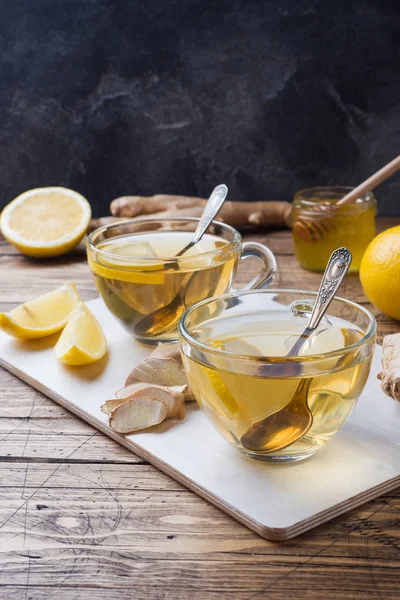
[320, 225]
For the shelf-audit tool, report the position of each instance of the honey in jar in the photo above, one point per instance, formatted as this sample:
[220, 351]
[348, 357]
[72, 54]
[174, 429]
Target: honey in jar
[320, 225]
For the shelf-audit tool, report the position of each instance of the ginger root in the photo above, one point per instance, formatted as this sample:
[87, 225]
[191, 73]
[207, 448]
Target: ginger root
[163, 367]
[144, 407]
[390, 374]
[161, 371]
[167, 351]
[173, 398]
[238, 214]
[138, 413]
[95, 223]
[155, 390]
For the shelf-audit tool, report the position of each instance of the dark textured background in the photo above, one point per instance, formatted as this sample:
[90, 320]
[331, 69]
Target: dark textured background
[111, 97]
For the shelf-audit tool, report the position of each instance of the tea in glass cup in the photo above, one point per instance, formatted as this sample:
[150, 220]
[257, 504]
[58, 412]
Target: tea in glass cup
[148, 288]
[235, 355]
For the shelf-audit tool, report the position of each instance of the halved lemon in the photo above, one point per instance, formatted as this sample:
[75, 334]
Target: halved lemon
[82, 341]
[42, 316]
[46, 221]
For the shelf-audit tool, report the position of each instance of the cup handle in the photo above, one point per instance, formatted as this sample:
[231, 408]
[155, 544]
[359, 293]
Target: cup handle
[265, 255]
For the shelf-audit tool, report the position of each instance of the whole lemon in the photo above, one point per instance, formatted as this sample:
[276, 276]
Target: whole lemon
[380, 272]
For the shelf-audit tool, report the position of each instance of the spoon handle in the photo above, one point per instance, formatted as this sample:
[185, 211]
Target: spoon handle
[336, 269]
[212, 208]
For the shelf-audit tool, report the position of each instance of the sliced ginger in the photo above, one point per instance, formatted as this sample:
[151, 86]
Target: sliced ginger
[155, 390]
[138, 413]
[161, 371]
[140, 406]
[167, 351]
[128, 390]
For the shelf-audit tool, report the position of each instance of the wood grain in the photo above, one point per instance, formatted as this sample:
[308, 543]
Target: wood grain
[81, 518]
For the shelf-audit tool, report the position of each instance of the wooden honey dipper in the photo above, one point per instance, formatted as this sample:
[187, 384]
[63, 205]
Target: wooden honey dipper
[243, 215]
[318, 222]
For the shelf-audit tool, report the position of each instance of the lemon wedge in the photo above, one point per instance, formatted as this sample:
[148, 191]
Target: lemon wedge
[42, 316]
[82, 341]
[45, 221]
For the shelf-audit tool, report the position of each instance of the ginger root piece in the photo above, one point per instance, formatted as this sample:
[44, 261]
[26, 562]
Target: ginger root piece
[161, 371]
[120, 397]
[174, 398]
[172, 350]
[137, 413]
[390, 374]
[163, 367]
[130, 389]
[145, 407]
[109, 405]
[156, 390]
[95, 223]
[239, 214]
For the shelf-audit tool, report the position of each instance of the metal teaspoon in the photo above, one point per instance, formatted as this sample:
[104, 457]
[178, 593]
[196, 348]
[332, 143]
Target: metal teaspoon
[288, 424]
[211, 209]
[158, 322]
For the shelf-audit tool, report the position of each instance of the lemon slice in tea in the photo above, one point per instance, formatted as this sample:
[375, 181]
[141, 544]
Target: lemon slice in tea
[129, 268]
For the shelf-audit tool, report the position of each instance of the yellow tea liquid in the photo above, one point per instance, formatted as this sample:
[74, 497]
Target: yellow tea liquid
[354, 229]
[236, 401]
[150, 296]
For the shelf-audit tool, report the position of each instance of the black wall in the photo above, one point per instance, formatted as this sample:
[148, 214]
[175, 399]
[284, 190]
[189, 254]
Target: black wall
[111, 97]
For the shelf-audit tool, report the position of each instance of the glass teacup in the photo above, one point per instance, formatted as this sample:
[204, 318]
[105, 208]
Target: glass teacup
[148, 288]
[264, 403]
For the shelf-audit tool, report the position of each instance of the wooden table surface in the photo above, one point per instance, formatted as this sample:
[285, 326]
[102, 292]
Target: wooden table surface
[82, 518]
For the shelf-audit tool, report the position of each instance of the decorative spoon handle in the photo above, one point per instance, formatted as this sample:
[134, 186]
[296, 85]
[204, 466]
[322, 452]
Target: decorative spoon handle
[336, 269]
[211, 209]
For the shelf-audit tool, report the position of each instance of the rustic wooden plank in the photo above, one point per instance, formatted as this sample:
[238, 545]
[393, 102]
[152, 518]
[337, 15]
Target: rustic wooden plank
[60, 447]
[85, 476]
[36, 428]
[145, 518]
[200, 578]
[72, 538]
[7, 249]
[94, 592]
[48, 592]
[25, 279]
[140, 487]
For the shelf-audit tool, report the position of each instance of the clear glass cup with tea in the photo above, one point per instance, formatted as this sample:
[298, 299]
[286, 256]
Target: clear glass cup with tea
[148, 288]
[235, 350]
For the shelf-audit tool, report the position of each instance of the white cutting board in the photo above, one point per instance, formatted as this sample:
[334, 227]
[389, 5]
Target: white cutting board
[276, 501]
